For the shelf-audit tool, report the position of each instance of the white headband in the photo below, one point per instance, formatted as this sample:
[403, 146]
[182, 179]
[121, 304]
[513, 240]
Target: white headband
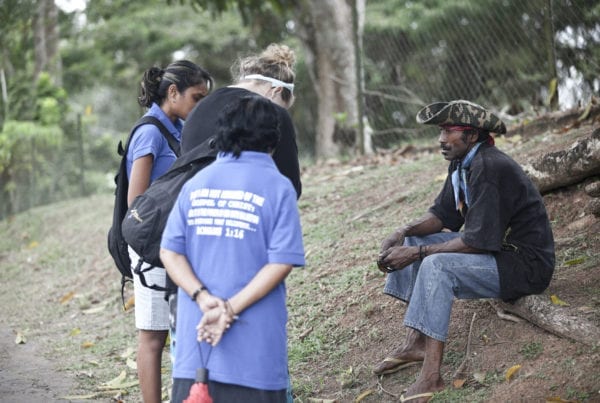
[274, 82]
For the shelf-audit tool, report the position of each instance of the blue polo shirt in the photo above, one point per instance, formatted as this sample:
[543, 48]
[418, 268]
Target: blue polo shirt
[230, 220]
[147, 139]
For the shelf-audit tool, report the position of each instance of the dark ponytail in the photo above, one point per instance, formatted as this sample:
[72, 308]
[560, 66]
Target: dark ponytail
[182, 73]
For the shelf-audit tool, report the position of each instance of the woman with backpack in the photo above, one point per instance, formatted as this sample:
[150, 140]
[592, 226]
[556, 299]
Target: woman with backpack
[169, 94]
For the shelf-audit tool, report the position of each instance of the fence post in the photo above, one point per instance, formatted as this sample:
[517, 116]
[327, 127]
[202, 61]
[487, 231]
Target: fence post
[81, 158]
[357, 39]
[4, 96]
[553, 82]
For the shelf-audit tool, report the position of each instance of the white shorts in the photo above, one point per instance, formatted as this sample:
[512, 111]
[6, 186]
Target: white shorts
[151, 308]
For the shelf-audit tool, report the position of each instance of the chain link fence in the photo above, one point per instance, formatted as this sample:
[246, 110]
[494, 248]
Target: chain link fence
[515, 57]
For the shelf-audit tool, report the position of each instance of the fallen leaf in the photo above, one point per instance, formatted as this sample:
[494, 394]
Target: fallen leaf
[440, 178]
[364, 394]
[20, 338]
[552, 91]
[67, 297]
[500, 140]
[479, 377]
[33, 244]
[575, 261]
[129, 304]
[80, 397]
[87, 344]
[514, 139]
[557, 301]
[96, 309]
[75, 331]
[128, 352]
[115, 382]
[91, 396]
[557, 399]
[511, 372]
[121, 386]
[586, 113]
[458, 383]
[131, 363]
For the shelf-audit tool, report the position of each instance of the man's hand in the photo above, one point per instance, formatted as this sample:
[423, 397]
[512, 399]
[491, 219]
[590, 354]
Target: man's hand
[397, 257]
[394, 239]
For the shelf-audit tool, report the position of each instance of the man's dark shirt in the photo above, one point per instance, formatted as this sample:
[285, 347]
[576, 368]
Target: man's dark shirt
[201, 123]
[507, 218]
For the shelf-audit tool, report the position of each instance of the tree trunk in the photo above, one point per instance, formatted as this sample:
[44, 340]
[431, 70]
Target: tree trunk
[553, 120]
[566, 167]
[325, 28]
[46, 36]
[39, 34]
[52, 39]
[538, 310]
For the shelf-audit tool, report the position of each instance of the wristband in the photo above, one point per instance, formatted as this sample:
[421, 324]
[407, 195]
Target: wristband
[197, 292]
[421, 254]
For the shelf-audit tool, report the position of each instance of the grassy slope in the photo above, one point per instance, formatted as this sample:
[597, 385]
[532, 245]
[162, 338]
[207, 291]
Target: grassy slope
[61, 292]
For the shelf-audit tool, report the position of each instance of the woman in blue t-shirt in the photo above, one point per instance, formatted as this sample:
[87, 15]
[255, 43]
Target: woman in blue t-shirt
[170, 94]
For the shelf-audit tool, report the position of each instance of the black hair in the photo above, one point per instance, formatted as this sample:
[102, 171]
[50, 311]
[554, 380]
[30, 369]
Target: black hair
[182, 73]
[250, 123]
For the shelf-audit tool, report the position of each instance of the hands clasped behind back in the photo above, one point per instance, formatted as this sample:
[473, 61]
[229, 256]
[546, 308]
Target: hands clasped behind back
[216, 319]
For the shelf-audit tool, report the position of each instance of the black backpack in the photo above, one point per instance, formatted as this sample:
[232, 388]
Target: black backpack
[146, 218]
[116, 244]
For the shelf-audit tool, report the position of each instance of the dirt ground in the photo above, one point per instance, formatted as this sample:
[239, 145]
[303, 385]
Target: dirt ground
[26, 375]
[552, 367]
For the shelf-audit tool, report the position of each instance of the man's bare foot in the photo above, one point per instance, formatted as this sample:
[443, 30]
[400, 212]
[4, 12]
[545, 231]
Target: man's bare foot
[403, 357]
[422, 390]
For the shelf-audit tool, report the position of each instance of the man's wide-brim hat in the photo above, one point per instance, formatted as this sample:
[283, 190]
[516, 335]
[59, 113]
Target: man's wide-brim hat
[460, 113]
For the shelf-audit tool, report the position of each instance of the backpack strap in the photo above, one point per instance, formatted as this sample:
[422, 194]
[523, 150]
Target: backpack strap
[140, 272]
[173, 143]
[206, 149]
[145, 120]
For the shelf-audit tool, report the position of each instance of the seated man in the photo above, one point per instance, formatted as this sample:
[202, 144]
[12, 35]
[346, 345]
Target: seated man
[505, 249]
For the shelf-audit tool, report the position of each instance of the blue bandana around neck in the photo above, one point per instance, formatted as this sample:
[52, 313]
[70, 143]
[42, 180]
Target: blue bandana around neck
[459, 177]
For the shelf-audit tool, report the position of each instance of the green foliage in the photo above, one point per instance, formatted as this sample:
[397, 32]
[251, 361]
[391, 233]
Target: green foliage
[27, 155]
[247, 8]
[532, 350]
[103, 65]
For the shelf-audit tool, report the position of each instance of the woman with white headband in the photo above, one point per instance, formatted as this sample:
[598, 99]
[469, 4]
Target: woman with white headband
[269, 74]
